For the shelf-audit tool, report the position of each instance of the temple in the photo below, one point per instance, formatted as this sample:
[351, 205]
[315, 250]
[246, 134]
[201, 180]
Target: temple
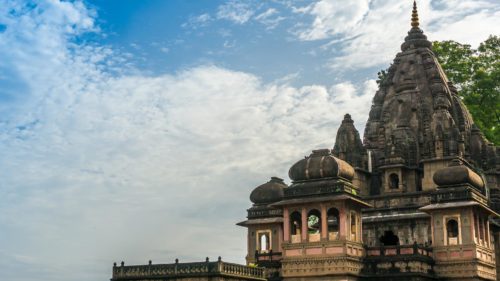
[416, 199]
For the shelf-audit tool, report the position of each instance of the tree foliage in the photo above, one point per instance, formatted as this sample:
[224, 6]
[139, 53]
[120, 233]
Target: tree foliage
[476, 74]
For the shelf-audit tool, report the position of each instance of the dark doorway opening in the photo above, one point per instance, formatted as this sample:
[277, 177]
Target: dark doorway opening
[394, 181]
[389, 239]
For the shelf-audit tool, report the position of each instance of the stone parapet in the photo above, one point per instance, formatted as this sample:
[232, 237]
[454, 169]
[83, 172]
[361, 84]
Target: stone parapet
[186, 271]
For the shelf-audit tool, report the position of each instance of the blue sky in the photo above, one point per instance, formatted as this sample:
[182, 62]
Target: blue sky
[135, 130]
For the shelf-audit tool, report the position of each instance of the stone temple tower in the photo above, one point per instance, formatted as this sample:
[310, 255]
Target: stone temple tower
[424, 180]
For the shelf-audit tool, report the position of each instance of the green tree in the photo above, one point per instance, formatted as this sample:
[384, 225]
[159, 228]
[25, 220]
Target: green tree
[476, 74]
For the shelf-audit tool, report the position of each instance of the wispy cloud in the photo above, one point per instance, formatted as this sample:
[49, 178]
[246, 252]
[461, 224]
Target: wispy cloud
[331, 18]
[270, 18]
[198, 21]
[236, 11]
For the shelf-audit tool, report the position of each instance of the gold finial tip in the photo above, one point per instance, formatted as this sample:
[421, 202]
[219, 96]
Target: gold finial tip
[414, 15]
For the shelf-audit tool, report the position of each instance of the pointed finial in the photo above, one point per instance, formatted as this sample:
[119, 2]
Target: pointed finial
[414, 15]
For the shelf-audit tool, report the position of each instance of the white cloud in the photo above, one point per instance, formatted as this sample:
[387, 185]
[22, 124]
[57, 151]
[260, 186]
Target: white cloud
[472, 29]
[108, 166]
[236, 11]
[369, 33]
[332, 17]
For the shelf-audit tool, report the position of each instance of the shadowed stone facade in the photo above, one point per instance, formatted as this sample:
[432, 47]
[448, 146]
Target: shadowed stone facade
[417, 199]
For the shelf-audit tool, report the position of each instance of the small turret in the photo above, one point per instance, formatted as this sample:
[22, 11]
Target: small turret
[348, 145]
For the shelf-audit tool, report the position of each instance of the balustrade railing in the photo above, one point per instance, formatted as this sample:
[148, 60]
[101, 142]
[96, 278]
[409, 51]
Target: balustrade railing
[180, 270]
[399, 250]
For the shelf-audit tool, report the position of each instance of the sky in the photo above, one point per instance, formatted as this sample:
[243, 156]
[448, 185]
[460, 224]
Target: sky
[136, 130]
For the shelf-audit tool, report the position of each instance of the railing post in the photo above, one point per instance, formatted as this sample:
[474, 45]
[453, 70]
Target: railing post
[219, 264]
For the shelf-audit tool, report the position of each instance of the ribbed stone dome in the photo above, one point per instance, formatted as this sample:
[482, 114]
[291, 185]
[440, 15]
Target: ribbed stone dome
[457, 173]
[270, 192]
[321, 164]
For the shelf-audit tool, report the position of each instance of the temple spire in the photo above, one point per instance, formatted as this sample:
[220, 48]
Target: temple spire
[414, 16]
[416, 37]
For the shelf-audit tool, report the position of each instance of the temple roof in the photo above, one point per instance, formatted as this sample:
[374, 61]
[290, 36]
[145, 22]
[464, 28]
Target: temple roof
[321, 164]
[269, 192]
[417, 114]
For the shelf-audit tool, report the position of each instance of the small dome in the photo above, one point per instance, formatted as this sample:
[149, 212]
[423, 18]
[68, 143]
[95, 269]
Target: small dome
[457, 173]
[321, 164]
[270, 192]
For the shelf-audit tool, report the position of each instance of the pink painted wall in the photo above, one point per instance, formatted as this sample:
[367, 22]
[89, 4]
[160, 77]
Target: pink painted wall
[314, 251]
[324, 225]
[342, 225]
[294, 252]
[334, 250]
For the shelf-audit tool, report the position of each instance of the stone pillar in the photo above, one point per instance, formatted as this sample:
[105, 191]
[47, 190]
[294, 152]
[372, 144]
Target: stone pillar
[286, 225]
[324, 223]
[342, 222]
[487, 233]
[476, 228]
[280, 240]
[360, 228]
[304, 225]
[250, 255]
[472, 232]
[481, 226]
